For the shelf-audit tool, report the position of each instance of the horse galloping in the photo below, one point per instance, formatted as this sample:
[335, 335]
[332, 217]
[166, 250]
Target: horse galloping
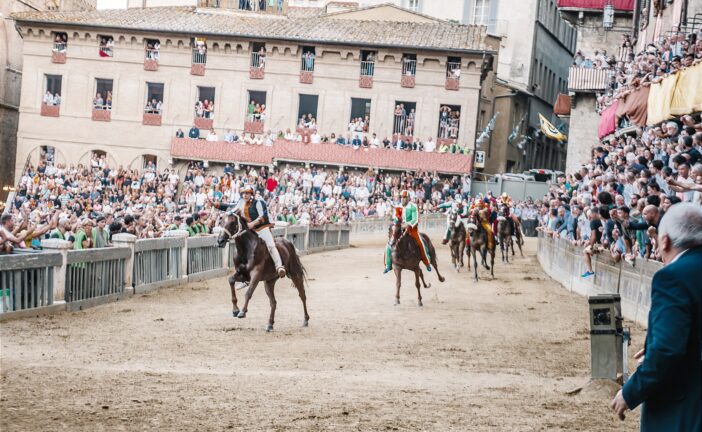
[504, 233]
[479, 243]
[407, 256]
[457, 241]
[253, 264]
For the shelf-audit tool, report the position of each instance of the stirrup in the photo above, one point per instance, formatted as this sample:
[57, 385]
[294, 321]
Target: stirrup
[281, 272]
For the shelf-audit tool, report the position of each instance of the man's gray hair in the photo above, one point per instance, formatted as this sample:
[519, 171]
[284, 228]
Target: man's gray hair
[682, 224]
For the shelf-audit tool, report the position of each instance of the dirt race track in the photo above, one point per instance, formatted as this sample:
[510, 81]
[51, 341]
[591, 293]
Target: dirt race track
[497, 356]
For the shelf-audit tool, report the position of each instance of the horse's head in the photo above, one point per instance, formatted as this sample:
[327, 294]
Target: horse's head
[472, 221]
[232, 226]
[395, 230]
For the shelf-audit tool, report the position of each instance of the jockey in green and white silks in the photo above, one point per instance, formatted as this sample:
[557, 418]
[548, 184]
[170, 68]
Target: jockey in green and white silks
[408, 213]
[459, 207]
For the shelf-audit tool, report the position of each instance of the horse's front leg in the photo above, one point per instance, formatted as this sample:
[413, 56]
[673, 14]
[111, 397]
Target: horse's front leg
[398, 283]
[255, 279]
[270, 285]
[232, 285]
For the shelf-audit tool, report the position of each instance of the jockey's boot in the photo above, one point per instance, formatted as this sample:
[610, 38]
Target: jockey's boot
[387, 270]
[281, 272]
[444, 241]
[429, 268]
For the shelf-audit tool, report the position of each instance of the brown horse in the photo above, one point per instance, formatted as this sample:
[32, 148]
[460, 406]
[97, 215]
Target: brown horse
[457, 241]
[479, 244]
[253, 264]
[407, 256]
[504, 233]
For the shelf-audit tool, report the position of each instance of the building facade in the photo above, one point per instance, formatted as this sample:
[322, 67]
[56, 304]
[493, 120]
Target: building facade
[292, 66]
[11, 75]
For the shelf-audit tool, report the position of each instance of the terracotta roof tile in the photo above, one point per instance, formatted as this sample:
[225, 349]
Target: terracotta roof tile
[441, 35]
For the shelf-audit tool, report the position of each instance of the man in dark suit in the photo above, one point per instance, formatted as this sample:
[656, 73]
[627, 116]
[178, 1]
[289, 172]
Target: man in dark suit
[668, 379]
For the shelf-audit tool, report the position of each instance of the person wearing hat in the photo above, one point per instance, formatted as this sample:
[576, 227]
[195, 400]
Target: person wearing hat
[255, 212]
[457, 206]
[408, 213]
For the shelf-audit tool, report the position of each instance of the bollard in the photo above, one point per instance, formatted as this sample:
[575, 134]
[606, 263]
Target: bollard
[61, 246]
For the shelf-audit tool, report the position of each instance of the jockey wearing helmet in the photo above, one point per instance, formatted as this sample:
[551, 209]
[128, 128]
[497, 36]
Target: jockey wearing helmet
[506, 202]
[457, 206]
[408, 214]
[255, 212]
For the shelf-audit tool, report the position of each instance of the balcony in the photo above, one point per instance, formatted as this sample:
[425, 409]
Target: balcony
[453, 76]
[253, 126]
[58, 56]
[320, 154]
[152, 118]
[50, 110]
[307, 70]
[101, 114]
[409, 70]
[588, 80]
[203, 123]
[367, 71]
[257, 70]
[199, 61]
[151, 60]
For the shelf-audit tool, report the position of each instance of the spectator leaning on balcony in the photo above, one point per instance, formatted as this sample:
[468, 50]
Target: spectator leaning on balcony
[194, 132]
[179, 133]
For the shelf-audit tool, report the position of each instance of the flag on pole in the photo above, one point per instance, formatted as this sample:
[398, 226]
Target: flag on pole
[550, 130]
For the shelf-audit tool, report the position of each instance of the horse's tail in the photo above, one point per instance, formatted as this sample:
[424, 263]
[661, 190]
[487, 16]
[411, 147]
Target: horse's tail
[295, 268]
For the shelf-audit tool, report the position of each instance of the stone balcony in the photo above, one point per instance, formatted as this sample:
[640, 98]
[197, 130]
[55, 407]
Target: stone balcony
[203, 123]
[453, 84]
[257, 72]
[151, 119]
[306, 77]
[197, 69]
[101, 115]
[58, 57]
[407, 81]
[50, 110]
[150, 64]
[253, 127]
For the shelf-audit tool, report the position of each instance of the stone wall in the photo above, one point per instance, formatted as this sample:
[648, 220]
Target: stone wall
[583, 131]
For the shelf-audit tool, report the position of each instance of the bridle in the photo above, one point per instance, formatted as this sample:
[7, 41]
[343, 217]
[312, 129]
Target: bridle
[240, 231]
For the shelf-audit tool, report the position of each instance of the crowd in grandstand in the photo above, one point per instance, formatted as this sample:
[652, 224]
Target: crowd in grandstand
[615, 203]
[87, 204]
[631, 70]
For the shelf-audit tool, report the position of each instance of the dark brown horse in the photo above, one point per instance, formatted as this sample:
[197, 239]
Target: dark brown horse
[407, 256]
[479, 245]
[504, 233]
[506, 228]
[457, 241]
[253, 264]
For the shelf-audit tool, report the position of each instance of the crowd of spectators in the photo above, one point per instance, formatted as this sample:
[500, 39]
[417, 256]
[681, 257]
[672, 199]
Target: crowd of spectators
[614, 204]
[87, 204]
[630, 70]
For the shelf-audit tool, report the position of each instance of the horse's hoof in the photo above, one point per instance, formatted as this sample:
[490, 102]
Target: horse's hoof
[420, 304]
[397, 302]
[241, 314]
[269, 328]
[441, 279]
[428, 286]
[235, 313]
[305, 323]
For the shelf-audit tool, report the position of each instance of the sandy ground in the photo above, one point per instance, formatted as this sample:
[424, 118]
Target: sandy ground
[498, 355]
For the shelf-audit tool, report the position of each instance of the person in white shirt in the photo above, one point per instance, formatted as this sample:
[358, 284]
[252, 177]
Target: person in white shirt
[212, 136]
[315, 138]
[429, 145]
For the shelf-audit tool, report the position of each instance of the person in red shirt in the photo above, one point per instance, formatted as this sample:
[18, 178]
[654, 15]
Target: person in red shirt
[272, 184]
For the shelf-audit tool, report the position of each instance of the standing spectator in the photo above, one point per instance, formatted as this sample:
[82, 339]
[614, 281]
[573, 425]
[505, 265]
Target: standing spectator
[194, 132]
[668, 381]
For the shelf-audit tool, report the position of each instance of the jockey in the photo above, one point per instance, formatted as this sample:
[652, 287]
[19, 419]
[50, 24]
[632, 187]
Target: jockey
[255, 211]
[409, 215]
[459, 207]
[507, 204]
[484, 221]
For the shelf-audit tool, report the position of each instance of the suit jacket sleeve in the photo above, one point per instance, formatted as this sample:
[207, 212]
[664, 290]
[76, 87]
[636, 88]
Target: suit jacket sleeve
[669, 324]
